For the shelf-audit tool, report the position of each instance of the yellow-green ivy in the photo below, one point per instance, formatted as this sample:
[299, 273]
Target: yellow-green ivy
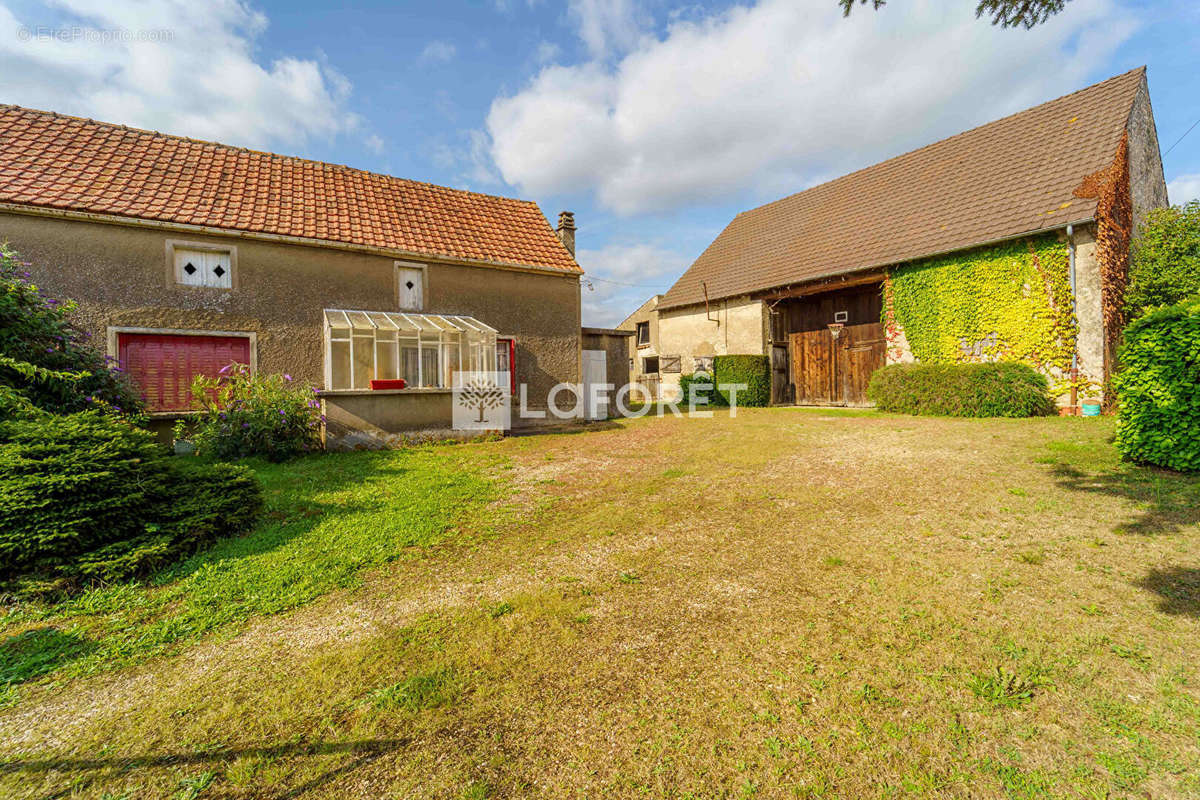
[1009, 302]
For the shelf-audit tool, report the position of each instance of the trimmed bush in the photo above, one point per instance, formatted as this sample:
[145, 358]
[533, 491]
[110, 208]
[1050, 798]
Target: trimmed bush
[196, 504]
[1005, 389]
[255, 415]
[86, 497]
[1159, 388]
[705, 390]
[754, 371]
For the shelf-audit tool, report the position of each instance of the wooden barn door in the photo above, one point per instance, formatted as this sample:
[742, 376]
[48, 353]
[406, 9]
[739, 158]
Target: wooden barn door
[828, 370]
[814, 367]
[861, 350]
[835, 371]
[780, 382]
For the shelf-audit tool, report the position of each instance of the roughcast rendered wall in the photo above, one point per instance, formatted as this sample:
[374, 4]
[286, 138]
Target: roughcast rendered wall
[726, 327]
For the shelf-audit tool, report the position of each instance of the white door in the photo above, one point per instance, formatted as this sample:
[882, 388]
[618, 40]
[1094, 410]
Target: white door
[412, 288]
[595, 373]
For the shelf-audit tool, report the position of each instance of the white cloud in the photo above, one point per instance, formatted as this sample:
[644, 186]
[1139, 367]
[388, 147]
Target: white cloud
[1184, 189]
[374, 143]
[438, 52]
[504, 6]
[606, 25]
[546, 52]
[171, 65]
[636, 263]
[771, 97]
[619, 278]
[468, 158]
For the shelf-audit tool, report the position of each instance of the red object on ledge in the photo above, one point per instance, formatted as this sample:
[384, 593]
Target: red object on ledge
[389, 383]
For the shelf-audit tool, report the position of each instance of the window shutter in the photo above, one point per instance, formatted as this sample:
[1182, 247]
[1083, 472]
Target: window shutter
[164, 365]
[212, 268]
[412, 288]
[219, 274]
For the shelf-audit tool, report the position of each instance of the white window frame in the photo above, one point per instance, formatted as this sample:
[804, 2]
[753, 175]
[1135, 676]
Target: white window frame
[637, 333]
[176, 279]
[512, 359]
[440, 331]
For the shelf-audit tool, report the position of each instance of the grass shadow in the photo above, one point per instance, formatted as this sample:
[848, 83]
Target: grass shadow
[329, 518]
[36, 652]
[289, 513]
[1165, 501]
[364, 751]
[567, 428]
[1178, 589]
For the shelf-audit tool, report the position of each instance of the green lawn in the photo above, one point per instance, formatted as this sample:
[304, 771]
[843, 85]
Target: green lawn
[792, 603]
[327, 518]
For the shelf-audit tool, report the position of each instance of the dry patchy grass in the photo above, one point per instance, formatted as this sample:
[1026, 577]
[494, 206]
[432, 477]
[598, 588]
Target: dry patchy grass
[790, 603]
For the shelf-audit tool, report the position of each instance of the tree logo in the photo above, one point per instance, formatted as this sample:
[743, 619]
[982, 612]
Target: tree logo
[481, 401]
[482, 395]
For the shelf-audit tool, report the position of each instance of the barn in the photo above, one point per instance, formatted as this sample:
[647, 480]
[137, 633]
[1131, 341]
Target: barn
[1009, 241]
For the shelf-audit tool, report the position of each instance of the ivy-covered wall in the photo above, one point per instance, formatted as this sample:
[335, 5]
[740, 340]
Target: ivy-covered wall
[1008, 302]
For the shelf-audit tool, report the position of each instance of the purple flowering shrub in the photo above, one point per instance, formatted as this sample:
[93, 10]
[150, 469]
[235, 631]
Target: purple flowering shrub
[46, 359]
[245, 414]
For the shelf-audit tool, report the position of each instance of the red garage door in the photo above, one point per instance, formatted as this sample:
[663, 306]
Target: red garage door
[163, 365]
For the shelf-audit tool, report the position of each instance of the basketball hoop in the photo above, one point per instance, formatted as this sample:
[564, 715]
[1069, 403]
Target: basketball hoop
[835, 328]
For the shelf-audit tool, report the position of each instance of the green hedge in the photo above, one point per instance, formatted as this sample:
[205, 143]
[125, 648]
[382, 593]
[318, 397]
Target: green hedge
[1005, 389]
[705, 390]
[1164, 265]
[1159, 388]
[754, 371]
[85, 497]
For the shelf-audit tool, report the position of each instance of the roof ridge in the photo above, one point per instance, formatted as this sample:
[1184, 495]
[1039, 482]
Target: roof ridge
[253, 151]
[1010, 177]
[1031, 109]
[73, 164]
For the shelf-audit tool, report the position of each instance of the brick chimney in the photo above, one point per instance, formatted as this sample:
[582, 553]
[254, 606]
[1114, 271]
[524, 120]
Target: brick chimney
[566, 231]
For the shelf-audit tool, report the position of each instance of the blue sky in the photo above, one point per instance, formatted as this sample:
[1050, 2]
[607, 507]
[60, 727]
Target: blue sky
[654, 122]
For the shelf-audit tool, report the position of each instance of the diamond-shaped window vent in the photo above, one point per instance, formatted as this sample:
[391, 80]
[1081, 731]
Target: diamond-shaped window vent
[189, 268]
[218, 270]
[409, 285]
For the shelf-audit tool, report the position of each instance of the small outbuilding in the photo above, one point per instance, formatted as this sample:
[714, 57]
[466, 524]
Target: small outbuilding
[605, 362]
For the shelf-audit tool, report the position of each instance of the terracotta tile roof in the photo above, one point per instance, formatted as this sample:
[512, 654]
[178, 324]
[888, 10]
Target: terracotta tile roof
[61, 162]
[1006, 178]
